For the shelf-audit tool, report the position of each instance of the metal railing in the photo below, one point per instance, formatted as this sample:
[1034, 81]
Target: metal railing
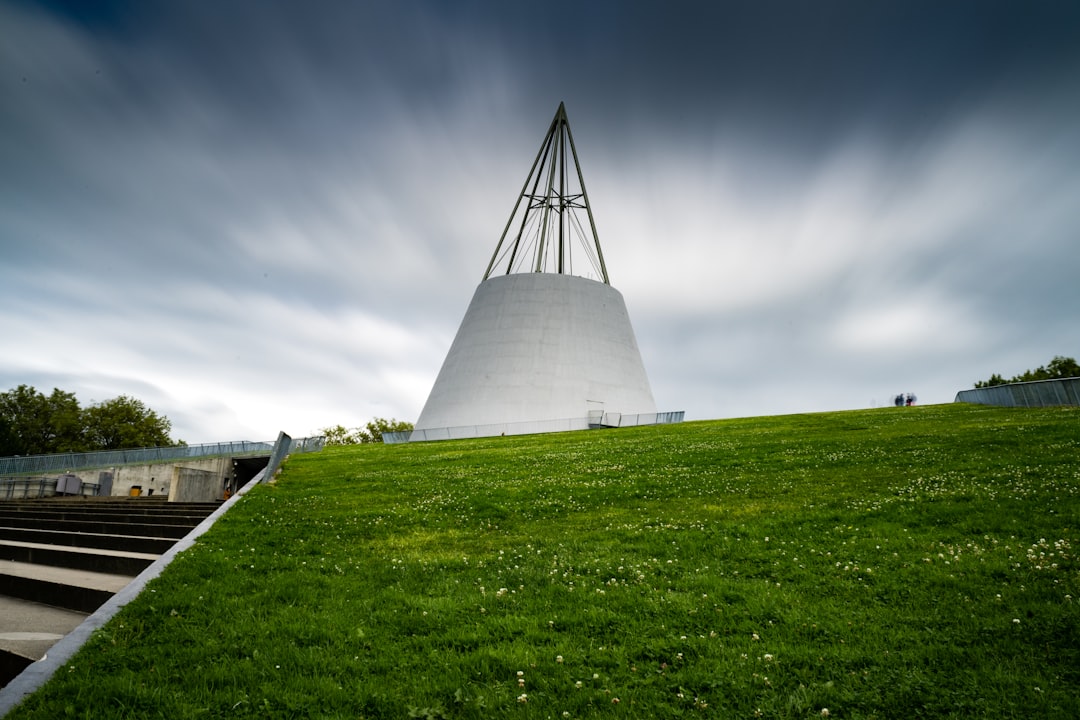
[530, 427]
[308, 444]
[68, 462]
[1038, 393]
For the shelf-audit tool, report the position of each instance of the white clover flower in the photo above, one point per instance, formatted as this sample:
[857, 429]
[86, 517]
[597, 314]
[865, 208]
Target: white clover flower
[523, 698]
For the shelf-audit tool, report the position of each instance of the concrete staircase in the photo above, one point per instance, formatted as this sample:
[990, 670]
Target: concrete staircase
[62, 558]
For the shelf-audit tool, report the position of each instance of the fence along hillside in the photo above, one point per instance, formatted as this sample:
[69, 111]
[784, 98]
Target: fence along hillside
[1037, 393]
[61, 462]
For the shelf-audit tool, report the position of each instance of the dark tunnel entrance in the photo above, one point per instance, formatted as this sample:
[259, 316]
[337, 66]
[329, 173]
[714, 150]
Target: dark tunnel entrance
[246, 468]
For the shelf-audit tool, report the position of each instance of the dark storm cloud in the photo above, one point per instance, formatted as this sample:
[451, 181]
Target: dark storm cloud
[271, 214]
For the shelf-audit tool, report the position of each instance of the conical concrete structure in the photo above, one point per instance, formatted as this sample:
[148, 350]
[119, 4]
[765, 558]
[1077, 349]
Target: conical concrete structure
[541, 348]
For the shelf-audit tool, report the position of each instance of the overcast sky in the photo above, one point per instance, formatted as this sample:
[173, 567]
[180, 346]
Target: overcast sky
[264, 216]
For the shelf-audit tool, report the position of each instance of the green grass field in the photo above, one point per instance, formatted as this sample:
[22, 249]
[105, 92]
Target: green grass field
[890, 563]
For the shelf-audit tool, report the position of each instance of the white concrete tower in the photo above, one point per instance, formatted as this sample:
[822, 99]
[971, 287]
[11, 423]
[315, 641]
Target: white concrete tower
[542, 348]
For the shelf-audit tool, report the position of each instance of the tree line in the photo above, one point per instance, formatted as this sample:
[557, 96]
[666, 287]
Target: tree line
[1058, 368]
[370, 433]
[32, 423]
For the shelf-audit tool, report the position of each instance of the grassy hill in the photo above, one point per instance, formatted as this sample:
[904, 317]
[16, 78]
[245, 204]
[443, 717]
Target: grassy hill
[899, 562]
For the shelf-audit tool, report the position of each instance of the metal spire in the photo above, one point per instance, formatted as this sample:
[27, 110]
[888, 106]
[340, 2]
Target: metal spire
[549, 225]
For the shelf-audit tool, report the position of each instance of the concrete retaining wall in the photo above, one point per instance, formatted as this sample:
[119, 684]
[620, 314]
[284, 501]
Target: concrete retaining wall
[158, 479]
[195, 485]
[204, 480]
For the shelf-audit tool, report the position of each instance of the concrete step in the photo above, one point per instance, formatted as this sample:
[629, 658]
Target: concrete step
[133, 543]
[62, 558]
[117, 562]
[28, 630]
[106, 510]
[135, 503]
[86, 500]
[185, 519]
[99, 527]
[78, 590]
[110, 582]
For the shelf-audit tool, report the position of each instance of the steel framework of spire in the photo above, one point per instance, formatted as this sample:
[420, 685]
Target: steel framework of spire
[549, 225]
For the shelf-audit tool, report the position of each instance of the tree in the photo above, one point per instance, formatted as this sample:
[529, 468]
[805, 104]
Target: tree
[38, 424]
[65, 417]
[34, 424]
[341, 435]
[372, 432]
[1062, 367]
[1058, 368]
[125, 422]
[8, 442]
[378, 426]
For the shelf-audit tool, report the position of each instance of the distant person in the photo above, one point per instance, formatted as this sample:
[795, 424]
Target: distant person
[899, 400]
[909, 399]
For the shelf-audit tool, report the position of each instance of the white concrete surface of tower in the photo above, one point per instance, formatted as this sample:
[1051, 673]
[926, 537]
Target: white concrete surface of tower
[539, 347]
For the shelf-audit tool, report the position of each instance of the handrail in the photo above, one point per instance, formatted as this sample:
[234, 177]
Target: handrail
[600, 420]
[67, 462]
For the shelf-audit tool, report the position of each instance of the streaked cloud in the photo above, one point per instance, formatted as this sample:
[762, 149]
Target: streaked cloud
[260, 216]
